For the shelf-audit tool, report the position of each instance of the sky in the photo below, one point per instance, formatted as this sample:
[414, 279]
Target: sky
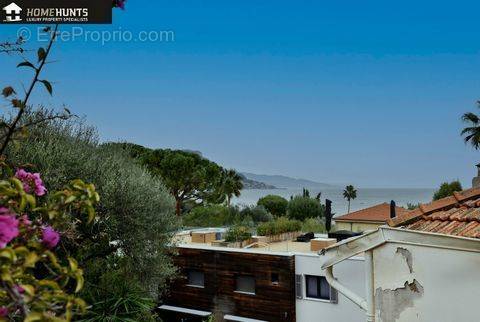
[366, 93]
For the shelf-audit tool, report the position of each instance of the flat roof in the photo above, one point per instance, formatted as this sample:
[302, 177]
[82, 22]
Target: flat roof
[183, 239]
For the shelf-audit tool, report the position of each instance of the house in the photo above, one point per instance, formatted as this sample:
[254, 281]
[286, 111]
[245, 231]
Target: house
[12, 12]
[367, 219]
[422, 266]
[275, 281]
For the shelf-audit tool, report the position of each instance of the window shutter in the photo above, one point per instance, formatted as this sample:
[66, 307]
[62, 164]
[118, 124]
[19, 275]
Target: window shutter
[333, 295]
[298, 286]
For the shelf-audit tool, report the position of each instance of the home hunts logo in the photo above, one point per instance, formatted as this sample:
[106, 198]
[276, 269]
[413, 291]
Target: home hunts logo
[56, 11]
[12, 12]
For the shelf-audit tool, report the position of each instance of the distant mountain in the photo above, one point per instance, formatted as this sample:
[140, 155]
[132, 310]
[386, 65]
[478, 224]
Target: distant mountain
[253, 184]
[285, 182]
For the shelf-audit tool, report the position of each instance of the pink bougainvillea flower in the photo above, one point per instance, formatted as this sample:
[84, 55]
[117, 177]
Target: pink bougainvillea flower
[31, 182]
[3, 311]
[120, 4]
[8, 227]
[19, 289]
[24, 221]
[50, 237]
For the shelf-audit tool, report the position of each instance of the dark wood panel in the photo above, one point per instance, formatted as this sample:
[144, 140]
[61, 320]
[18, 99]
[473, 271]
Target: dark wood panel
[270, 302]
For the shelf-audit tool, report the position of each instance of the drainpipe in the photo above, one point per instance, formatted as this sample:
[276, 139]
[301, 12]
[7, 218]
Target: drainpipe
[369, 286]
[368, 304]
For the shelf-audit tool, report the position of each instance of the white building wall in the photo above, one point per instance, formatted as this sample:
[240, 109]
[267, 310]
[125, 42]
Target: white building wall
[349, 272]
[418, 283]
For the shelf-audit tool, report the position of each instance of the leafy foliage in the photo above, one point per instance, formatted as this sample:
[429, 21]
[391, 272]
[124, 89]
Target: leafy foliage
[238, 234]
[472, 132]
[231, 184]
[447, 189]
[258, 214]
[40, 282]
[301, 208]
[276, 205]
[349, 193]
[212, 216]
[136, 213]
[313, 225]
[118, 298]
[279, 226]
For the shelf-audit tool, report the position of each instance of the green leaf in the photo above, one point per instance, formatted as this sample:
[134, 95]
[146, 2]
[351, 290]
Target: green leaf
[7, 91]
[48, 86]
[42, 54]
[34, 316]
[26, 64]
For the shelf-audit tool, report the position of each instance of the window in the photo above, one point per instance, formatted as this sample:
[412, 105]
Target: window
[275, 279]
[196, 278]
[317, 287]
[245, 284]
[298, 286]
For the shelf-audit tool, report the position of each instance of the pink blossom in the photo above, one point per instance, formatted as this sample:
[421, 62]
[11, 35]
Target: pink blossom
[24, 221]
[19, 289]
[31, 182]
[50, 237]
[3, 311]
[8, 227]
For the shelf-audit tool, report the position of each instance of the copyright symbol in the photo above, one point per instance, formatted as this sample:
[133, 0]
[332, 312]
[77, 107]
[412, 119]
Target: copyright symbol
[24, 33]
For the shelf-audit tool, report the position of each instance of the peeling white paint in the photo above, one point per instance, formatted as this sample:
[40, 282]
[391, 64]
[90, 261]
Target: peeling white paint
[395, 268]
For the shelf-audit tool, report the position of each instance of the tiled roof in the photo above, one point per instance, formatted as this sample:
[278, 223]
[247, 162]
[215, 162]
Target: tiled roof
[458, 215]
[378, 213]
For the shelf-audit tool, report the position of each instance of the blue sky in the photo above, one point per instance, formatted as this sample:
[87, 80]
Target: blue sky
[368, 93]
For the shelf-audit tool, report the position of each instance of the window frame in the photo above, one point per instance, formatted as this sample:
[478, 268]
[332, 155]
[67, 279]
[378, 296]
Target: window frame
[333, 295]
[189, 280]
[277, 281]
[244, 292]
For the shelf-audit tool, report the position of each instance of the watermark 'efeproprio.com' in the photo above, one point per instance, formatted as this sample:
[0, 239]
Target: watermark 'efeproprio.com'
[104, 36]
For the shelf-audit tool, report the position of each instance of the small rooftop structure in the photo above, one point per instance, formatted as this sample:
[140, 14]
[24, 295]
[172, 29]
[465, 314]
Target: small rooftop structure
[213, 238]
[367, 219]
[457, 215]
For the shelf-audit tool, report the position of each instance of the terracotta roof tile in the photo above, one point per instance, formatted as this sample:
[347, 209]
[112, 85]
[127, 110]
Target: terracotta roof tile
[458, 215]
[378, 213]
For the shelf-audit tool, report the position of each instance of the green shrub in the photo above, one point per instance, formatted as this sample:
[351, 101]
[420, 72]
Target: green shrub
[212, 216]
[274, 204]
[447, 189]
[313, 225]
[118, 298]
[135, 215]
[238, 234]
[256, 213]
[301, 208]
[279, 226]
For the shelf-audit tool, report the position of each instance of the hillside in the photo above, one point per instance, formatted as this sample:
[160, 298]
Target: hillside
[280, 181]
[253, 184]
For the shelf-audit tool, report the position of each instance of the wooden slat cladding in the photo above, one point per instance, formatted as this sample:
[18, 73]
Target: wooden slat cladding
[271, 302]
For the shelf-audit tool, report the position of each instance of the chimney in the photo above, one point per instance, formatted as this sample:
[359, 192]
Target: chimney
[328, 215]
[476, 180]
[393, 209]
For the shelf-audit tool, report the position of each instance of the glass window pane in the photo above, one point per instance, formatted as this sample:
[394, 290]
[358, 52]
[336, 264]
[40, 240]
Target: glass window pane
[196, 278]
[246, 284]
[312, 286]
[324, 289]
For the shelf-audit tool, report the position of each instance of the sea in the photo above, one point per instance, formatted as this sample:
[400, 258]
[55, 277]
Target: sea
[366, 197]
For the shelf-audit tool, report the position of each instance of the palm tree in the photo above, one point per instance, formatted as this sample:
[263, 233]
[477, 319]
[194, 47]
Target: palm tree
[472, 132]
[349, 193]
[231, 184]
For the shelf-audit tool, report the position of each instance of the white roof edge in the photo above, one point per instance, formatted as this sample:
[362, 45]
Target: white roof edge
[240, 319]
[235, 250]
[184, 310]
[354, 246]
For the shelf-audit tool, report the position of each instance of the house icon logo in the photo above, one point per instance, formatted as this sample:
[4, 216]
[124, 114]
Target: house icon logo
[12, 12]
